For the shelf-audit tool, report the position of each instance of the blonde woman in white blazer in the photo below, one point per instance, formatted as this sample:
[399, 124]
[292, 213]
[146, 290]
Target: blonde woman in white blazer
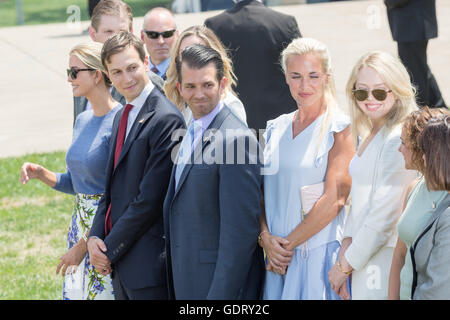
[381, 96]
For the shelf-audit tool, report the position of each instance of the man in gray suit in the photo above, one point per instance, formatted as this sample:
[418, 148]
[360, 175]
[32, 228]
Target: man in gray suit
[213, 203]
[108, 18]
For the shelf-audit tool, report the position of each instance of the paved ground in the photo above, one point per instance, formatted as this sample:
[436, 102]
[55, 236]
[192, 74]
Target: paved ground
[36, 110]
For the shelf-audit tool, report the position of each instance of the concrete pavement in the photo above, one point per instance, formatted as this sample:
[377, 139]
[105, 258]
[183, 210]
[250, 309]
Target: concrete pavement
[36, 107]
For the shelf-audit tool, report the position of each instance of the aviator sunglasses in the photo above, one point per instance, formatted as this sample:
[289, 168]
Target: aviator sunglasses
[363, 94]
[155, 35]
[73, 72]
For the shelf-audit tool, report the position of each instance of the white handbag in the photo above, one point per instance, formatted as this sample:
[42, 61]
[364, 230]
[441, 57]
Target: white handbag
[308, 197]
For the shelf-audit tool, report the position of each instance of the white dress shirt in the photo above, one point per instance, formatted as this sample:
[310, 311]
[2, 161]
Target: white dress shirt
[137, 105]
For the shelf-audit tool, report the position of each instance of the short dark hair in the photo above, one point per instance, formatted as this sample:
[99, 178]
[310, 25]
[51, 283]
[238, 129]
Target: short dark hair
[114, 8]
[198, 56]
[435, 143]
[119, 42]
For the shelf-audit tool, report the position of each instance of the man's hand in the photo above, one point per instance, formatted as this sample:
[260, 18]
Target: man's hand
[99, 260]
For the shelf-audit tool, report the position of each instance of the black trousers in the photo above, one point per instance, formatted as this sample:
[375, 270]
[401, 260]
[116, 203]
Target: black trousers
[414, 57]
[151, 293]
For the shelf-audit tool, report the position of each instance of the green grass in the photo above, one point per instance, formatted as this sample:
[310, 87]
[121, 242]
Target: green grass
[53, 11]
[34, 220]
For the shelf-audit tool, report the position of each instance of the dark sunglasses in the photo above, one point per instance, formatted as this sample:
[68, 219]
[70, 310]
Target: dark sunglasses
[73, 72]
[155, 35]
[363, 94]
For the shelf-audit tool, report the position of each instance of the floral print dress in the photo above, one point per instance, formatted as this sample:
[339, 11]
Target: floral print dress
[86, 283]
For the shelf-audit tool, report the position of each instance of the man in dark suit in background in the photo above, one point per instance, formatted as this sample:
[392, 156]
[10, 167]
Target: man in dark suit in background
[159, 33]
[108, 18]
[413, 23]
[213, 203]
[255, 36]
[127, 236]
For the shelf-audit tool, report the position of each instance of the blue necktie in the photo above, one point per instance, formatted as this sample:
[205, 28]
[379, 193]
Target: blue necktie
[185, 152]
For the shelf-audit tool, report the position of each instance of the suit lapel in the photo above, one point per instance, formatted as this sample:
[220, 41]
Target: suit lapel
[198, 152]
[144, 114]
[442, 206]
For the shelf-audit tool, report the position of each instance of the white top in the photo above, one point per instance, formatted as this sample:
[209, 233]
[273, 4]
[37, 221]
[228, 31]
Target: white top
[379, 180]
[137, 103]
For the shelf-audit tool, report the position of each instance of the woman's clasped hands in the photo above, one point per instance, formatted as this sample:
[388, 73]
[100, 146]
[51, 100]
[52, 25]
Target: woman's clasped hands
[278, 257]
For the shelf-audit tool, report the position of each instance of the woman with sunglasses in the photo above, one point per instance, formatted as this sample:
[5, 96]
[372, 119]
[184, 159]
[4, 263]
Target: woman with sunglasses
[201, 35]
[85, 176]
[380, 97]
[419, 203]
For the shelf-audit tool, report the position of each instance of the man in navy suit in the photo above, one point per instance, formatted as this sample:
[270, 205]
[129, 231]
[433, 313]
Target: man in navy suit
[127, 236]
[159, 33]
[213, 204]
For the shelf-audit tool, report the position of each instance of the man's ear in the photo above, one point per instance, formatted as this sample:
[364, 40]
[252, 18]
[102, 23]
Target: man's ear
[92, 33]
[223, 83]
[179, 87]
[142, 35]
[146, 63]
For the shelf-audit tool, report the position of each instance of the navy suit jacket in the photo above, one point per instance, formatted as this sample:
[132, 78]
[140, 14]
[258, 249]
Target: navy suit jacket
[136, 188]
[255, 37]
[211, 218]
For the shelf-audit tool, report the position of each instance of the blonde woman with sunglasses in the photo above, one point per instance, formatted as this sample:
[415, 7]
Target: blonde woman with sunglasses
[380, 97]
[85, 177]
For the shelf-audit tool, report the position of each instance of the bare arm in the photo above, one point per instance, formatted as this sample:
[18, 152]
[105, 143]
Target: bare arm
[35, 171]
[277, 256]
[337, 189]
[398, 258]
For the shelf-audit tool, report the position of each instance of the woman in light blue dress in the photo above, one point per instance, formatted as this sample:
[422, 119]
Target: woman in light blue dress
[86, 175]
[419, 206]
[307, 147]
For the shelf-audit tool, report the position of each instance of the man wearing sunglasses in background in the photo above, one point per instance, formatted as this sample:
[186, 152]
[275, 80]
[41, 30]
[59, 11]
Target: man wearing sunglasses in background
[108, 18]
[159, 34]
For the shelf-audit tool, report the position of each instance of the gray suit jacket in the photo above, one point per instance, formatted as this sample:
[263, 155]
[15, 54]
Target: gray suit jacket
[211, 218]
[430, 254]
[80, 103]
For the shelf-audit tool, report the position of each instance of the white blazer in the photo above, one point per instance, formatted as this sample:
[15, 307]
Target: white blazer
[379, 180]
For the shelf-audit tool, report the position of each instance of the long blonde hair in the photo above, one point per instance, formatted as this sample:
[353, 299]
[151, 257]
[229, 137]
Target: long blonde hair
[396, 78]
[302, 46]
[211, 40]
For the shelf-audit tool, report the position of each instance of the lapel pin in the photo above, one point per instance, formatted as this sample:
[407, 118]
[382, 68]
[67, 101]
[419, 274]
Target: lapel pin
[142, 120]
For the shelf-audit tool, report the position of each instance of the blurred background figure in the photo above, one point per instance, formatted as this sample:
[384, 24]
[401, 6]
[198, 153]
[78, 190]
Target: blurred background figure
[159, 34]
[413, 23]
[255, 37]
[202, 35]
